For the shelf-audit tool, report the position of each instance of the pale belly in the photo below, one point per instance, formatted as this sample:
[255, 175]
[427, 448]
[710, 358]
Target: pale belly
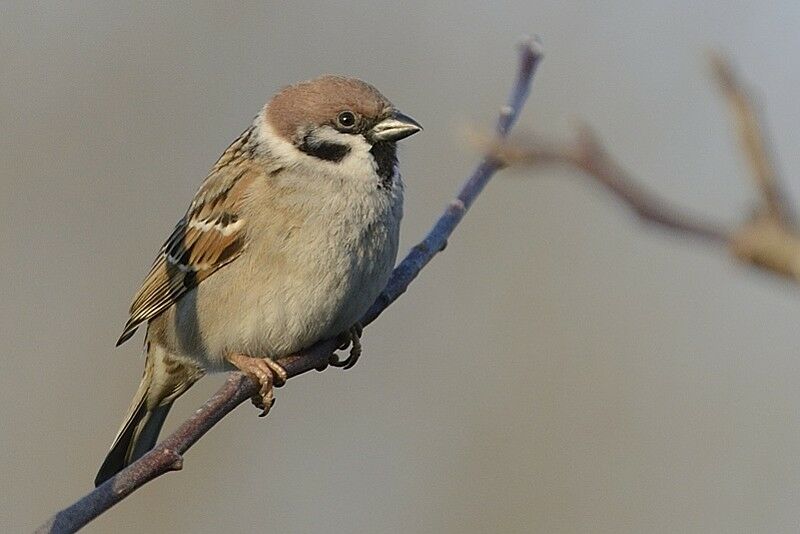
[269, 303]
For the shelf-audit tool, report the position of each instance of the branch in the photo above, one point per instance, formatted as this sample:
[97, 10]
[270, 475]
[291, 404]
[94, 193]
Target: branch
[753, 141]
[588, 155]
[167, 455]
[767, 240]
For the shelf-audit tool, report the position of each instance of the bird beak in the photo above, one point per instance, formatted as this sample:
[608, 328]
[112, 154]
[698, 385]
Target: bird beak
[394, 128]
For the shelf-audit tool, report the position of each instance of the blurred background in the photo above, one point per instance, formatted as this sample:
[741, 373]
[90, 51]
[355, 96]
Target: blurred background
[559, 368]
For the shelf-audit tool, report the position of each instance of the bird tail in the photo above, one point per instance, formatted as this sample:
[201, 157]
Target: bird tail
[164, 380]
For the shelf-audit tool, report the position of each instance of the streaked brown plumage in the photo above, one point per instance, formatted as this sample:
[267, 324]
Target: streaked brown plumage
[288, 241]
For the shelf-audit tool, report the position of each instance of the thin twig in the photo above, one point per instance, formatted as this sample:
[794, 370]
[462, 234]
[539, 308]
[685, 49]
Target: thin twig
[769, 240]
[166, 456]
[587, 154]
[753, 140]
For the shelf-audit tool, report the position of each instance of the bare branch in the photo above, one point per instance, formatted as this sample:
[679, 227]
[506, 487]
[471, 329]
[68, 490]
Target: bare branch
[769, 240]
[753, 141]
[166, 456]
[768, 244]
[587, 154]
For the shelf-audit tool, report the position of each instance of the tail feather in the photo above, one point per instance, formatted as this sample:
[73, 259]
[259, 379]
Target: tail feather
[164, 380]
[137, 437]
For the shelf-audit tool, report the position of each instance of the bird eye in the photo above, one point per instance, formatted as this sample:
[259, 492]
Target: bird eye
[346, 120]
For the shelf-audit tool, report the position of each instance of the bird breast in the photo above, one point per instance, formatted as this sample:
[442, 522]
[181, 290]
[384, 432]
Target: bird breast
[318, 255]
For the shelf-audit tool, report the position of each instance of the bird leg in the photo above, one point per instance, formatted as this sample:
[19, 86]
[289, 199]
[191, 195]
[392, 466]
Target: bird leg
[264, 371]
[351, 338]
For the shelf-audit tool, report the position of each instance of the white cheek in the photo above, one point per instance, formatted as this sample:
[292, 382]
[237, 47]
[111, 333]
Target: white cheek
[358, 164]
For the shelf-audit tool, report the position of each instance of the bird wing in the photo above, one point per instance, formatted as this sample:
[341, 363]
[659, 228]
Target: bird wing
[211, 234]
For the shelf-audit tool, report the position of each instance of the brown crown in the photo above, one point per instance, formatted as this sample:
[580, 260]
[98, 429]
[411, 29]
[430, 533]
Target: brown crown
[319, 101]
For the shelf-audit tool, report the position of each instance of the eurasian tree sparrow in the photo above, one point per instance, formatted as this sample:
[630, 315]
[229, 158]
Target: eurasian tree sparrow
[288, 241]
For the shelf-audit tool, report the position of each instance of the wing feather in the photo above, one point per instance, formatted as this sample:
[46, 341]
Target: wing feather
[211, 235]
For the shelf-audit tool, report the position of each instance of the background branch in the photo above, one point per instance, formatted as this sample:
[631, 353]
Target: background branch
[588, 155]
[753, 141]
[768, 239]
[167, 455]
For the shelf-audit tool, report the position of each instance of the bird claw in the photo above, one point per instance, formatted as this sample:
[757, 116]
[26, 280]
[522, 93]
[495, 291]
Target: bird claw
[266, 372]
[352, 339]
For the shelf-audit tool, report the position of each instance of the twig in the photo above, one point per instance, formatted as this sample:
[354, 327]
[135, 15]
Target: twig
[753, 140]
[767, 240]
[166, 456]
[587, 154]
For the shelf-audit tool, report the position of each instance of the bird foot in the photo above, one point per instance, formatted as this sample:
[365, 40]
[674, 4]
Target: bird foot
[264, 371]
[352, 339]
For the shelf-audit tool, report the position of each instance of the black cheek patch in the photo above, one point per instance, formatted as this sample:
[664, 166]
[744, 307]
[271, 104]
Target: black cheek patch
[324, 150]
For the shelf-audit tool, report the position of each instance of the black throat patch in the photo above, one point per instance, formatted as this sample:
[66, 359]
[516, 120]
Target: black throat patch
[325, 150]
[385, 154]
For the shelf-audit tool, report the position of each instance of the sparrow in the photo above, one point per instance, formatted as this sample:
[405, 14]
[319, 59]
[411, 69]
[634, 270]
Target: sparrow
[288, 241]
